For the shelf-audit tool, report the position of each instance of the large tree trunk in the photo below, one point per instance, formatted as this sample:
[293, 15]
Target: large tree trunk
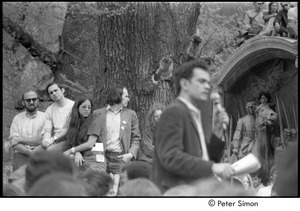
[128, 48]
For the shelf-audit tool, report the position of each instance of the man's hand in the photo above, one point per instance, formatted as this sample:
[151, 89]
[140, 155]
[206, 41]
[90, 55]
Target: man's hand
[223, 170]
[126, 157]
[78, 159]
[14, 141]
[47, 142]
[220, 118]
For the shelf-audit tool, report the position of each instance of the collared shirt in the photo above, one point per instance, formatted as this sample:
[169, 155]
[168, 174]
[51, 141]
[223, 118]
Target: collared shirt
[24, 125]
[113, 121]
[196, 113]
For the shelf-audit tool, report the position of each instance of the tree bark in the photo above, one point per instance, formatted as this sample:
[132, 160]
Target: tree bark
[132, 40]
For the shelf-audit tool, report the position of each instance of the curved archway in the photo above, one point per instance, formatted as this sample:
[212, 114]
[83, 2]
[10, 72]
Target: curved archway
[253, 52]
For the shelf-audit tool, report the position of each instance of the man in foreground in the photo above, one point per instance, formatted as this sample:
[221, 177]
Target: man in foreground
[181, 154]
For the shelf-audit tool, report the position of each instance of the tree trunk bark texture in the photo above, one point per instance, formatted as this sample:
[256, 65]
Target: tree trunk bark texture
[126, 43]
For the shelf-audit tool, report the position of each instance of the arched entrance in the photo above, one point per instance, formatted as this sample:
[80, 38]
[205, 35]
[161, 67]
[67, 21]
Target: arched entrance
[262, 64]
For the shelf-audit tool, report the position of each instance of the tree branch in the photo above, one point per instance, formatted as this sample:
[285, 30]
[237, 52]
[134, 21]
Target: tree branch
[34, 48]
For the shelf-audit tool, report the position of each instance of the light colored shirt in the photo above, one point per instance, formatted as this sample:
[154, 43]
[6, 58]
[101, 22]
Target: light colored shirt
[258, 19]
[56, 117]
[26, 126]
[113, 123]
[265, 191]
[196, 113]
[293, 14]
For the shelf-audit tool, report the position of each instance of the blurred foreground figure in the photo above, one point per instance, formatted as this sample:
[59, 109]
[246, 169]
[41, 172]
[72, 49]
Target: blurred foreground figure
[139, 187]
[58, 184]
[181, 153]
[97, 183]
[44, 163]
[286, 182]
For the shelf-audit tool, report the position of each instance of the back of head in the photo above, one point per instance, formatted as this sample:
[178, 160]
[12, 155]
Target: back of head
[44, 163]
[97, 183]
[286, 183]
[181, 190]
[115, 95]
[138, 169]
[57, 184]
[139, 187]
[214, 187]
[11, 190]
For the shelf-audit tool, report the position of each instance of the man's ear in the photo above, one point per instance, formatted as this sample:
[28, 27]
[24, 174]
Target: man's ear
[63, 90]
[184, 83]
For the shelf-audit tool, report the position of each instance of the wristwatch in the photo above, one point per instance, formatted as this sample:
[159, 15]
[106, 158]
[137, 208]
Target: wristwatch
[73, 150]
[55, 138]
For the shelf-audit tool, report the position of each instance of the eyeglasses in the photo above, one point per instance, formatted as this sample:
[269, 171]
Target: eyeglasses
[87, 107]
[31, 99]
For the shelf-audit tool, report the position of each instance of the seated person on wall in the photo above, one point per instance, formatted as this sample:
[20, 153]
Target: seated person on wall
[269, 16]
[26, 130]
[292, 25]
[146, 149]
[56, 116]
[77, 127]
[281, 20]
[254, 21]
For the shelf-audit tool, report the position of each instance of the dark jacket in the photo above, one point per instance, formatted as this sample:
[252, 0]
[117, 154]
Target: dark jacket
[177, 149]
[281, 18]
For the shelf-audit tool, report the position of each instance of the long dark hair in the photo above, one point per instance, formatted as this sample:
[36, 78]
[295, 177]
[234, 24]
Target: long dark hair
[78, 126]
[150, 121]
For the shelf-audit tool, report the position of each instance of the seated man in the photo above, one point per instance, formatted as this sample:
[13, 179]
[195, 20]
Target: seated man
[280, 22]
[292, 25]
[26, 130]
[56, 116]
[254, 21]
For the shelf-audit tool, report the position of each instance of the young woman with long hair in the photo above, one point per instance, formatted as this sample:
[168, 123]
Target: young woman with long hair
[81, 148]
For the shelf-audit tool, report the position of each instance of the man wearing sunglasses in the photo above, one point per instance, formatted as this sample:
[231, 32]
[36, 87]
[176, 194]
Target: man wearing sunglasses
[26, 130]
[281, 20]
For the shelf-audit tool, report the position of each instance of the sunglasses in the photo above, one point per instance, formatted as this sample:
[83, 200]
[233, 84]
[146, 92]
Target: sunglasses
[31, 99]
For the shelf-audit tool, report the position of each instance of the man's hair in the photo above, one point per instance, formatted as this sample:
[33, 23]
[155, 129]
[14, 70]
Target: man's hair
[23, 96]
[97, 183]
[43, 163]
[53, 83]
[58, 184]
[137, 169]
[139, 187]
[115, 95]
[186, 71]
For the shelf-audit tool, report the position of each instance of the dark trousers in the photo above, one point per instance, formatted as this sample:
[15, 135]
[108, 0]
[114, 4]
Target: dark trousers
[114, 164]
